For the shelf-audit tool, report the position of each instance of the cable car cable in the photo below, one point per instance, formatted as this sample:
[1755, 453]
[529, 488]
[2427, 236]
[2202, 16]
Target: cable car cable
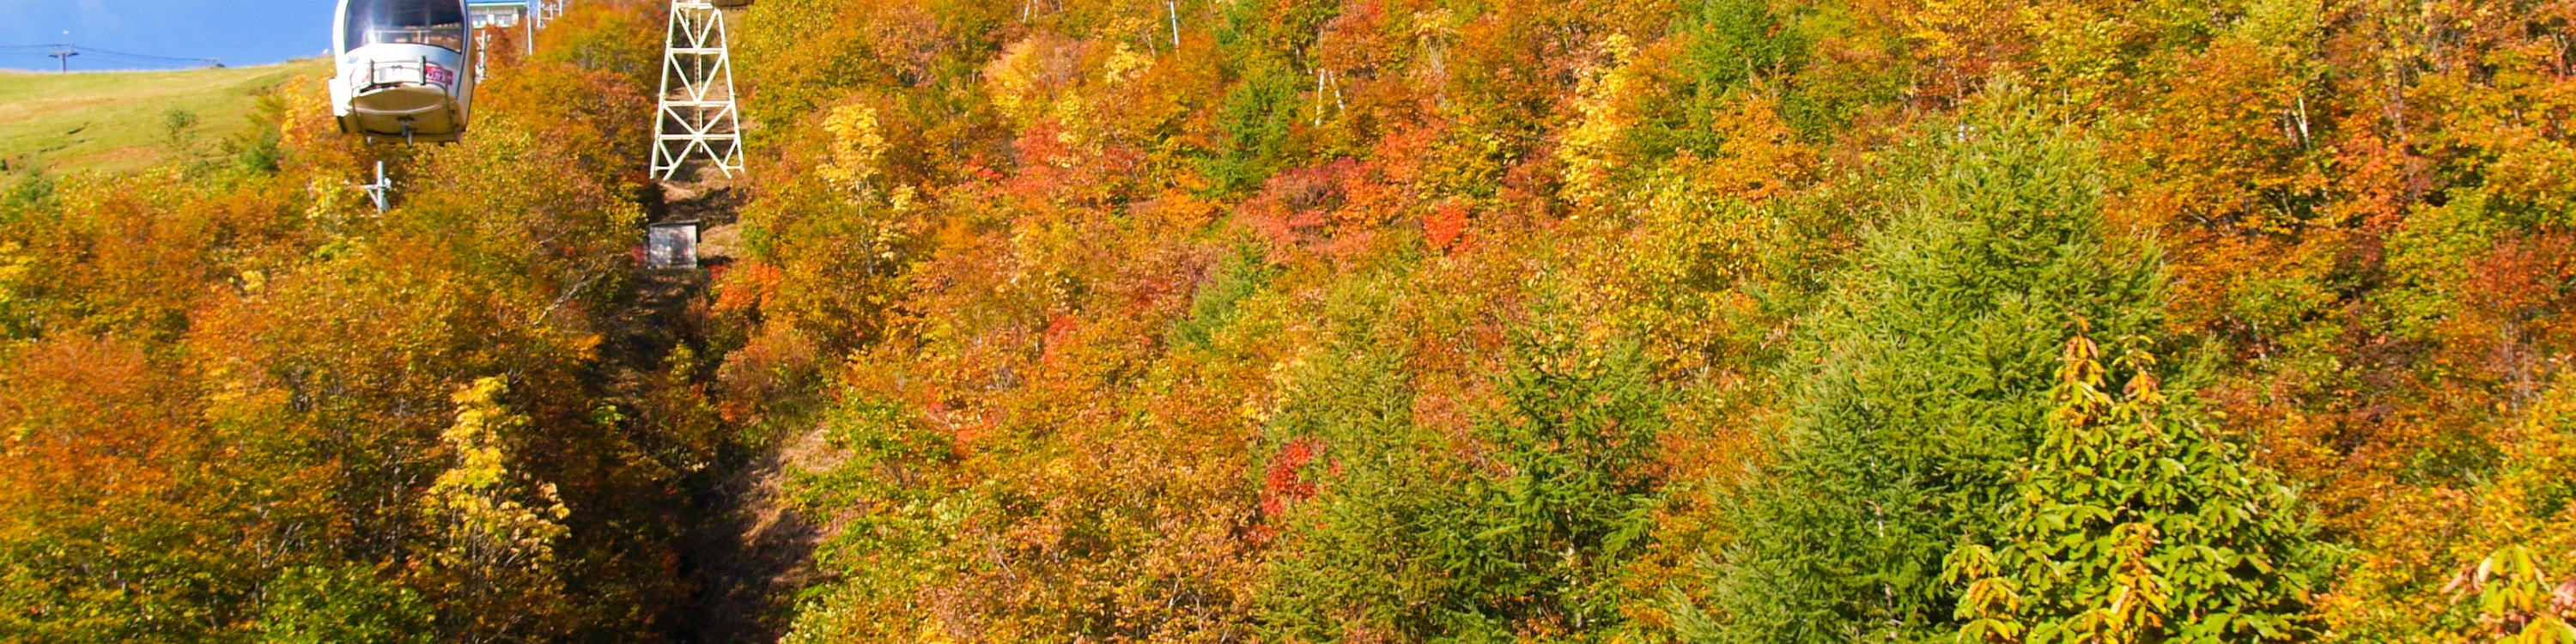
[110, 55]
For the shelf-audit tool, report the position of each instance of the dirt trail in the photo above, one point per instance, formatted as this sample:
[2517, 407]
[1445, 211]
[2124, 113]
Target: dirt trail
[746, 554]
[755, 554]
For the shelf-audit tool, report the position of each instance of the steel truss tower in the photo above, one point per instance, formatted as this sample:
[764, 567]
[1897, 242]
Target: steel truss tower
[697, 116]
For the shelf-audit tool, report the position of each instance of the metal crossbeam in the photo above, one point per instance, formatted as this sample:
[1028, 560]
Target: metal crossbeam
[697, 116]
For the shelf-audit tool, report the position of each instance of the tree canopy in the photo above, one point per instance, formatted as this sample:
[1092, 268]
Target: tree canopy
[1343, 320]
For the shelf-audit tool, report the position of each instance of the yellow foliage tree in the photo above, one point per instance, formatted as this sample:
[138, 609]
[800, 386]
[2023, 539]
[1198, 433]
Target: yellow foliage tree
[1592, 148]
[858, 150]
[496, 530]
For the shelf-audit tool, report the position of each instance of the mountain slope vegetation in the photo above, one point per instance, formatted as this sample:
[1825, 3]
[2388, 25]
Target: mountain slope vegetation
[1354, 320]
[117, 121]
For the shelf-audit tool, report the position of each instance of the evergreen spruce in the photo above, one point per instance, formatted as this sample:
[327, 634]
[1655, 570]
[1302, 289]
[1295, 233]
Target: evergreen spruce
[1922, 380]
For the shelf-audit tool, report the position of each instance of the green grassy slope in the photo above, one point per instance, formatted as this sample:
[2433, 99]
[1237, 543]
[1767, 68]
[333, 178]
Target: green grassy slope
[115, 121]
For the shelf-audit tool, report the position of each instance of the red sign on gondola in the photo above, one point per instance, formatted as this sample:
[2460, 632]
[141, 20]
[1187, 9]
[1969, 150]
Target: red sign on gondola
[439, 75]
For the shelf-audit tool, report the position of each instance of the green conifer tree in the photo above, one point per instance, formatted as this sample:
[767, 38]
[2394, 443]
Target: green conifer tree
[1921, 381]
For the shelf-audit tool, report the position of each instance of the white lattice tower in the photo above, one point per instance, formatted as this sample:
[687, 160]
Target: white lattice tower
[697, 117]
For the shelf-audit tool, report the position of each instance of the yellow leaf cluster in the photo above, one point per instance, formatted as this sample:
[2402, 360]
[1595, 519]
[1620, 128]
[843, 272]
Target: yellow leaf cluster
[858, 150]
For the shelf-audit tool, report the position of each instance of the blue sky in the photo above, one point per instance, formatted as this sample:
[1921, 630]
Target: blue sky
[241, 32]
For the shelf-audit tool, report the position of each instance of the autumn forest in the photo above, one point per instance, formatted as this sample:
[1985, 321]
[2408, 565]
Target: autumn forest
[1367, 321]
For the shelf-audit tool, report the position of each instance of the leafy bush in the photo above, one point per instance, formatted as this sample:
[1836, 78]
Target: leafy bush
[2133, 524]
[1523, 530]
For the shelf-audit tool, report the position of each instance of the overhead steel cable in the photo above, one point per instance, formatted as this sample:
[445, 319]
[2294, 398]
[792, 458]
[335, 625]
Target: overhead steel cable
[110, 55]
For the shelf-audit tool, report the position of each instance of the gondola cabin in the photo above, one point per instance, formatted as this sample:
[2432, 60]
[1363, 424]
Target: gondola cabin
[406, 70]
[496, 14]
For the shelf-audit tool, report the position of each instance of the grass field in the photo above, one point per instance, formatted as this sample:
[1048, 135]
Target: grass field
[113, 121]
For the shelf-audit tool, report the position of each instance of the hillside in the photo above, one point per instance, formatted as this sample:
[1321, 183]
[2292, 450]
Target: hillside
[1366, 321]
[117, 121]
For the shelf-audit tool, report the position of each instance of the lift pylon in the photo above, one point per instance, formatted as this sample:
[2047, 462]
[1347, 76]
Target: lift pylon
[697, 115]
[380, 191]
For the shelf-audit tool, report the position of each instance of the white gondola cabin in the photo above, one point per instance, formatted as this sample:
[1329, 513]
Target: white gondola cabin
[405, 70]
